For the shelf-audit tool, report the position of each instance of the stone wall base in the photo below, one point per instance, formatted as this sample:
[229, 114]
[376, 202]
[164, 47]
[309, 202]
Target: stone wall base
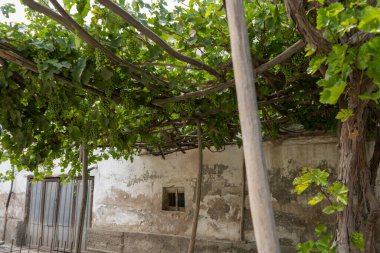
[105, 241]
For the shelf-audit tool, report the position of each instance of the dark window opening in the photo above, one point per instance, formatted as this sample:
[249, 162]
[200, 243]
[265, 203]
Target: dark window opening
[173, 199]
[181, 200]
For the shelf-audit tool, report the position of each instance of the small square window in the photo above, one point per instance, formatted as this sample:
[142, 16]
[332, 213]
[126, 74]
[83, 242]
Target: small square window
[173, 199]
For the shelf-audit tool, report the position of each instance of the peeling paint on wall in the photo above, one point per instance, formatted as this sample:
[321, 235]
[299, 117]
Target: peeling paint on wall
[128, 196]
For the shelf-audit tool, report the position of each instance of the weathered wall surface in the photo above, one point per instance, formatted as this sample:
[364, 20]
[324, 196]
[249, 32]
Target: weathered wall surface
[16, 206]
[127, 197]
[295, 220]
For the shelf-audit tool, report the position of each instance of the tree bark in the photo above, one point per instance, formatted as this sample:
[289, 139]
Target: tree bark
[198, 191]
[354, 172]
[371, 173]
[375, 160]
[82, 214]
[258, 186]
[7, 207]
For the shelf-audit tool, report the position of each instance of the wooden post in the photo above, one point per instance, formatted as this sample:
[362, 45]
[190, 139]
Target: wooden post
[242, 206]
[82, 214]
[198, 191]
[258, 186]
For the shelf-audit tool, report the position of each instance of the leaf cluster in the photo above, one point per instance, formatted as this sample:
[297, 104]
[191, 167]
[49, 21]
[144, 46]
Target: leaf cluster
[351, 27]
[336, 194]
[66, 92]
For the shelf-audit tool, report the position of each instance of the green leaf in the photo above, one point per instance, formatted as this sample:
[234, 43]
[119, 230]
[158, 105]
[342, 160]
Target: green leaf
[328, 14]
[317, 176]
[322, 2]
[368, 59]
[348, 22]
[305, 247]
[7, 8]
[301, 187]
[329, 209]
[364, 57]
[339, 192]
[340, 207]
[337, 189]
[370, 21]
[331, 94]
[316, 199]
[315, 63]
[83, 7]
[310, 50]
[357, 239]
[344, 114]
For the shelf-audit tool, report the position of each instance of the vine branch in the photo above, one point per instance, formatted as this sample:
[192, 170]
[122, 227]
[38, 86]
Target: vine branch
[296, 11]
[296, 47]
[64, 19]
[154, 37]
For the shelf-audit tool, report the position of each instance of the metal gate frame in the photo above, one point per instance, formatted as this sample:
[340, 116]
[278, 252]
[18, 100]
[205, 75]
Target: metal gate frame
[56, 207]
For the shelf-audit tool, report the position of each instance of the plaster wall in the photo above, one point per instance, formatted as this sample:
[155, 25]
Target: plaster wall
[128, 195]
[17, 202]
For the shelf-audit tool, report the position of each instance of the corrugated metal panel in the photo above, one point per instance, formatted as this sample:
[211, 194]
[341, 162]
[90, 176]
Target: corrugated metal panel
[34, 225]
[53, 212]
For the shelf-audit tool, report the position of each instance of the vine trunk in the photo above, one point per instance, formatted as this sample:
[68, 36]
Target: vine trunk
[362, 210]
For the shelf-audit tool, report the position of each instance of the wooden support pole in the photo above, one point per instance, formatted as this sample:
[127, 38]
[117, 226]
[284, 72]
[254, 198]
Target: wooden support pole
[257, 179]
[242, 205]
[82, 214]
[198, 191]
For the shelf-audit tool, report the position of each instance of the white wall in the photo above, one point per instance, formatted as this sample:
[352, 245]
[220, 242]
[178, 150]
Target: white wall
[128, 195]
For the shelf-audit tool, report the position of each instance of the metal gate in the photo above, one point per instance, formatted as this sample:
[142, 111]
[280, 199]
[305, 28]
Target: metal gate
[53, 212]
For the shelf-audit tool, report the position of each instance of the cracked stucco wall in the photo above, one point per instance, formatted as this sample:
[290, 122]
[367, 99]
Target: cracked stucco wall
[128, 195]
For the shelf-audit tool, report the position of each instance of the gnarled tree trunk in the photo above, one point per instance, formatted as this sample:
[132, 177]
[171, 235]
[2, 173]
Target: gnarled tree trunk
[351, 161]
[362, 209]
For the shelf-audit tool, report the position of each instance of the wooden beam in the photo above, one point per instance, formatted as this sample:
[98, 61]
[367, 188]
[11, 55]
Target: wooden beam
[257, 179]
